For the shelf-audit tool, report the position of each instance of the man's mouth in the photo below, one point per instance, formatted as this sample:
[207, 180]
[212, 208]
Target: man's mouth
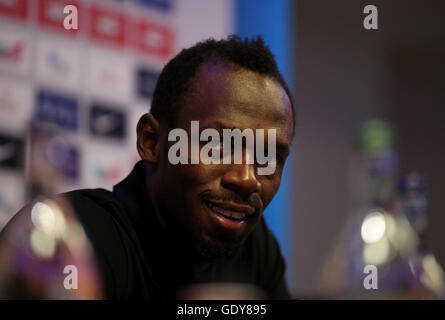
[230, 221]
[232, 215]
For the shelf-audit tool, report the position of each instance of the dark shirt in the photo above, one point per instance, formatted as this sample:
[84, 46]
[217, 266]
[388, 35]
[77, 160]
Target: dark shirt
[138, 261]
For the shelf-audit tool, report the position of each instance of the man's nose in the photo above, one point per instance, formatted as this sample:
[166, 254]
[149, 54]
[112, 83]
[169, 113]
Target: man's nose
[241, 179]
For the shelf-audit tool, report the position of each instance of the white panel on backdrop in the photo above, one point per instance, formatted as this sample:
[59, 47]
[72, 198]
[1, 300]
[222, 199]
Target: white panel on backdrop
[58, 63]
[14, 50]
[110, 76]
[16, 105]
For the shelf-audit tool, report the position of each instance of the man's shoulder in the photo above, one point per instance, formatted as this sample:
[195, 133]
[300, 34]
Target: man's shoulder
[269, 261]
[102, 216]
[95, 208]
[89, 197]
[112, 235]
[260, 248]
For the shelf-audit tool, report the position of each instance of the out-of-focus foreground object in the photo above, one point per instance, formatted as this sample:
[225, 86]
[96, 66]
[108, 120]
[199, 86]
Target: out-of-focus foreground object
[45, 254]
[387, 233]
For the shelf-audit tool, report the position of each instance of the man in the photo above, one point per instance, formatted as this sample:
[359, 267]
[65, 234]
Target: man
[168, 226]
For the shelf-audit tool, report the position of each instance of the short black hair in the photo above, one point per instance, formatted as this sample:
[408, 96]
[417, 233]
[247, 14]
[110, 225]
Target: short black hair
[175, 78]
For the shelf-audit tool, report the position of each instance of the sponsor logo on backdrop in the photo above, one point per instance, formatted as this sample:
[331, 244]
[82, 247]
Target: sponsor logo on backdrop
[65, 157]
[13, 52]
[57, 109]
[11, 152]
[55, 61]
[154, 38]
[58, 63]
[107, 173]
[107, 122]
[17, 9]
[162, 5]
[50, 14]
[146, 82]
[105, 165]
[15, 104]
[14, 49]
[107, 25]
[110, 76]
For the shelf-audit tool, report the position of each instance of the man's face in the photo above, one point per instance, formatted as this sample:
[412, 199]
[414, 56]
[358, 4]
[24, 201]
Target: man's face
[214, 207]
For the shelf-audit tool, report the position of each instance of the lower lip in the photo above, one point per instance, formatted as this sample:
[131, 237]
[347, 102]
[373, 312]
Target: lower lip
[225, 222]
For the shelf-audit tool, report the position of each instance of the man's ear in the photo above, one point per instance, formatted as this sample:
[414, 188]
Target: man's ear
[148, 138]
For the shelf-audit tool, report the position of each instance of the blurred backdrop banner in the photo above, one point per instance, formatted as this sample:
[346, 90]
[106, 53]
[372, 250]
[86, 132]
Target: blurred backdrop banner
[70, 99]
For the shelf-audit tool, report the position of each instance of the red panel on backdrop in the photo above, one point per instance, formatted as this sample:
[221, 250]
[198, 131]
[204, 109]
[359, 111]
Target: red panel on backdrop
[17, 9]
[50, 14]
[107, 25]
[154, 39]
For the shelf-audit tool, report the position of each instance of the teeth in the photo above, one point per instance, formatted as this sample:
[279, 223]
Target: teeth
[233, 215]
[238, 215]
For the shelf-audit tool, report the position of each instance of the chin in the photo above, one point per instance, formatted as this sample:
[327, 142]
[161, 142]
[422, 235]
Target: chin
[208, 248]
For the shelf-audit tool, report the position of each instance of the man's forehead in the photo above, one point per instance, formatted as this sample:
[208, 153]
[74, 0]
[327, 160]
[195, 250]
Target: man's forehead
[236, 79]
[228, 90]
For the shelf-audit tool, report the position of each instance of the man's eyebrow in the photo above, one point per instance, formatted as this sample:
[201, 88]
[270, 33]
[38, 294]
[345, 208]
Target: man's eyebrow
[220, 126]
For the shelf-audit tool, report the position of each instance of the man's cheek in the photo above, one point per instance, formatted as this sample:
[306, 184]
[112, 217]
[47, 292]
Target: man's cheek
[269, 190]
[201, 173]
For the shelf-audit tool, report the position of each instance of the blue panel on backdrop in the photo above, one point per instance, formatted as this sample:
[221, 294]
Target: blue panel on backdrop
[273, 21]
[146, 82]
[57, 109]
[163, 5]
